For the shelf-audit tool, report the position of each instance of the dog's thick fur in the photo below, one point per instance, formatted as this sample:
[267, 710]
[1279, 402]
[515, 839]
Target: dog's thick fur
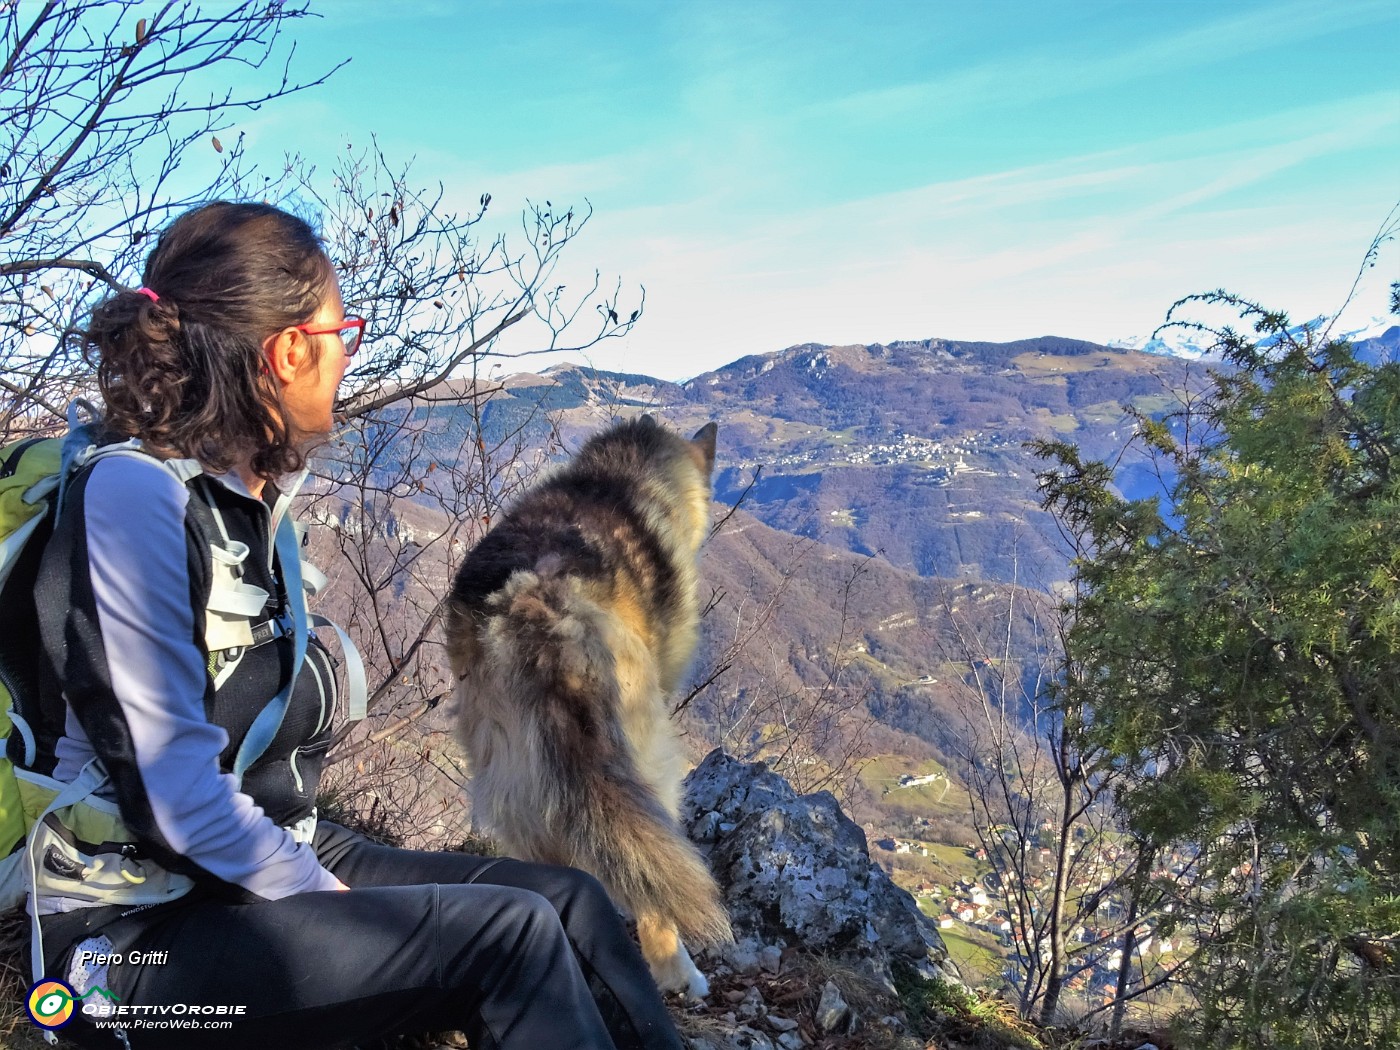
[569, 627]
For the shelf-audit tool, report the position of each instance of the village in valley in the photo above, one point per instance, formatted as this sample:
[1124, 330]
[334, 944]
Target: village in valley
[975, 897]
[946, 459]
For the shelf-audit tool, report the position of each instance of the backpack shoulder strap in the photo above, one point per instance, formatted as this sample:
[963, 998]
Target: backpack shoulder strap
[287, 541]
[259, 736]
[81, 449]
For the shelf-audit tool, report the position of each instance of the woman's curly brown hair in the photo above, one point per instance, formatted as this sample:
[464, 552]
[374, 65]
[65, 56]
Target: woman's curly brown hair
[185, 373]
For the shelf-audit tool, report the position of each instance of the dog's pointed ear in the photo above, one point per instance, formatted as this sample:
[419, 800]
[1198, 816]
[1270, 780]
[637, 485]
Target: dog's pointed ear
[704, 442]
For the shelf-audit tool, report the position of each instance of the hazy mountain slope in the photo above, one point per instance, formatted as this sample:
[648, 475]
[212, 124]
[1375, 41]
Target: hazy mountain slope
[813, 618]
[913, 450]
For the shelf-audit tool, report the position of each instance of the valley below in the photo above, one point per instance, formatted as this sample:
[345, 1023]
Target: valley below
[881, 567]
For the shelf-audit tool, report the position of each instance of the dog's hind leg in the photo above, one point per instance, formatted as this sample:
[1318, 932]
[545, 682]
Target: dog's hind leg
[670, 963]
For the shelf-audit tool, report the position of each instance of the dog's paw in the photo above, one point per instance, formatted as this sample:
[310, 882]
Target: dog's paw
[697, 987]
[680, 975]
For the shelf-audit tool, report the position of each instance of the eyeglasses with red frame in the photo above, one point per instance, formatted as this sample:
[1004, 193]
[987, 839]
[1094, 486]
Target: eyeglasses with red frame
[351, 331]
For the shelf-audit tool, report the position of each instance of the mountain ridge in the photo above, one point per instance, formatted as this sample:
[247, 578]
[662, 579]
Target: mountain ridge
[914, 449]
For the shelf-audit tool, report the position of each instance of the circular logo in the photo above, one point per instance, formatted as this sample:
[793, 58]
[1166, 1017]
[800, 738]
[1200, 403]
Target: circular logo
[50, 1004]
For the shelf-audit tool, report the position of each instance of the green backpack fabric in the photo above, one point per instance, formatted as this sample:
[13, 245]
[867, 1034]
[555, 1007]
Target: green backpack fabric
[29, 481]
[32, 475]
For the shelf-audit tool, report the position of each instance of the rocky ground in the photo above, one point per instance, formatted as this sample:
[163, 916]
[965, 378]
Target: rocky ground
[829, 953]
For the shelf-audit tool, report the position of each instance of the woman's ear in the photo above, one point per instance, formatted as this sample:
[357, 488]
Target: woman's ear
[286, 353]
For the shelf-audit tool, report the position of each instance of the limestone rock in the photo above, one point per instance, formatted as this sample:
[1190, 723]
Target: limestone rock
[771, 958]
[833, 1013]
[751, 1005]
[745, 1038]
[744, 955]
[796, 871]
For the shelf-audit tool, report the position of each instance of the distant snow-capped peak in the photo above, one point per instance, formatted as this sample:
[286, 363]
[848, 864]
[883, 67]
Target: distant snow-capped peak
[1194, 345]
[1170, 342]
[1373, 328]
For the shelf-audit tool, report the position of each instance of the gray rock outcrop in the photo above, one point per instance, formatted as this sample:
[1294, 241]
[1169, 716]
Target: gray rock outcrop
[796, 872]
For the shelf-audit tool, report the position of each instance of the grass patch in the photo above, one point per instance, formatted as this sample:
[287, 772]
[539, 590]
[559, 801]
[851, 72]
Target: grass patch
[942, 1013]
[1102, 412]
[953, 860]
[1060, 423]
[940, 798]
[975, 954]
[1156, 404]
[883, 771]
[913, 868]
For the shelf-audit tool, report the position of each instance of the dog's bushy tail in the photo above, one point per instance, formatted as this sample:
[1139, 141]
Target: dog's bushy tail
[599, 813]
[635, 850]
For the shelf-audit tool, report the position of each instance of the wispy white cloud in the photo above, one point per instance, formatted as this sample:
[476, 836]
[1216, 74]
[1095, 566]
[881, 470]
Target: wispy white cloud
[1045, 73]
[1121, 187]
[1094, 246]
[700, 318]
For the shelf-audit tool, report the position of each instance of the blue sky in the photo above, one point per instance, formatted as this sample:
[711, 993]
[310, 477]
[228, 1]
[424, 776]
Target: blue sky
[776, 172]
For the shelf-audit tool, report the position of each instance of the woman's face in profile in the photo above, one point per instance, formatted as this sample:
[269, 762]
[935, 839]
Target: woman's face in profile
[309, 398]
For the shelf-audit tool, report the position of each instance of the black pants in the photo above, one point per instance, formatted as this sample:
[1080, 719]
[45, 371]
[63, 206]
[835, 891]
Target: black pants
[518, 956]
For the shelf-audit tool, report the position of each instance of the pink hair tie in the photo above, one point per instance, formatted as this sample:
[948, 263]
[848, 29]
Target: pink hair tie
[148, 294]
